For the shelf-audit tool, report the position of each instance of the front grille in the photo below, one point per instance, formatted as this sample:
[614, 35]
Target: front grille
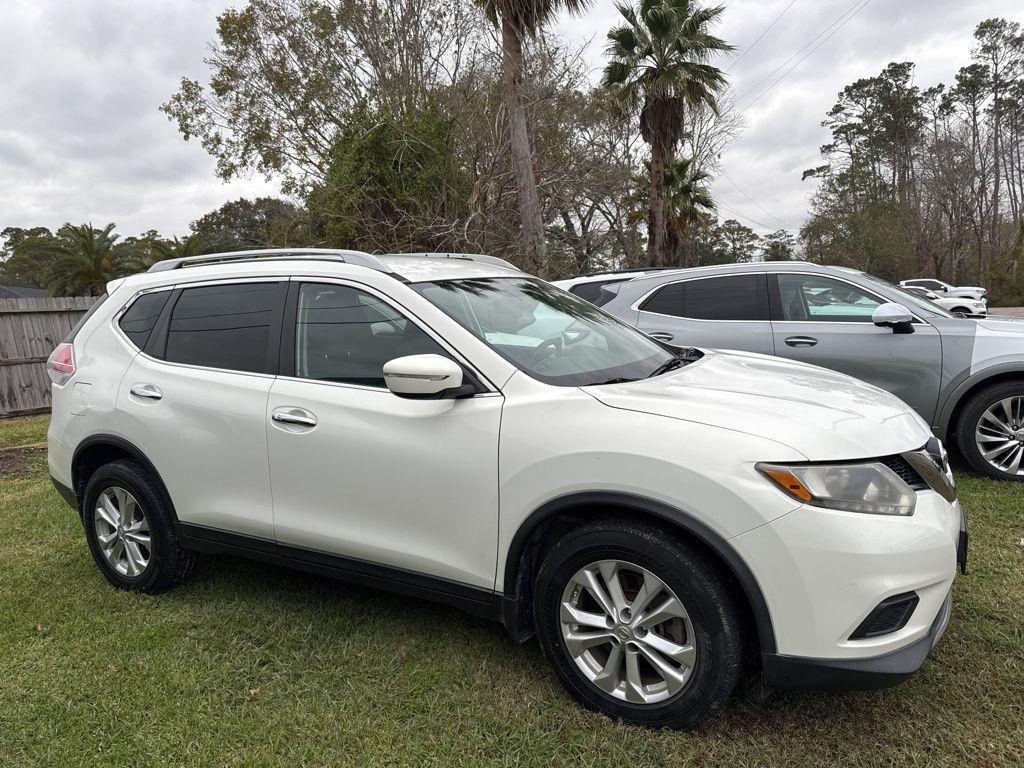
[891, 614]
[907, 473]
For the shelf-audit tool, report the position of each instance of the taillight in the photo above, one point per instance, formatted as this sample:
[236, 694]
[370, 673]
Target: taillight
[61, 363]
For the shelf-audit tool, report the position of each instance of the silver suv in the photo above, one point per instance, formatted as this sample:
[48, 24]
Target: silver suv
[964, 377]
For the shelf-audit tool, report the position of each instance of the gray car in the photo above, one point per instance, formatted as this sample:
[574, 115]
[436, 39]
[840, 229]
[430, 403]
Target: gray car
[965, 377]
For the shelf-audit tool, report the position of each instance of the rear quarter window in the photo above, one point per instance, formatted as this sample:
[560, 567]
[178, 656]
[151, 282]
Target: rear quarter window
[138, 322]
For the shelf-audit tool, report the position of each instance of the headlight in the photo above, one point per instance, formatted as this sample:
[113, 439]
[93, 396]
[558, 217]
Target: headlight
[870, 487]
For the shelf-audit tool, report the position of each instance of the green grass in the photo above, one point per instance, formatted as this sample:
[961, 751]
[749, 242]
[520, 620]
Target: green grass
[30, 430]
[249, 665]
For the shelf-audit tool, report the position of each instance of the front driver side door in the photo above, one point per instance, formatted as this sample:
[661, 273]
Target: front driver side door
[827, 321]
[362, 474]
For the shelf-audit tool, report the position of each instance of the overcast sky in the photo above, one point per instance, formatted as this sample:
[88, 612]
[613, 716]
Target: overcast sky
[81, 137]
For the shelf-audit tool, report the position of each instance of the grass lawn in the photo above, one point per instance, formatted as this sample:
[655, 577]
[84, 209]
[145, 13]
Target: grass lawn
[250, 665]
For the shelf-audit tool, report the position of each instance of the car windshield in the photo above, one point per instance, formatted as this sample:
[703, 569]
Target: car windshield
[552, 335]
[907, 297]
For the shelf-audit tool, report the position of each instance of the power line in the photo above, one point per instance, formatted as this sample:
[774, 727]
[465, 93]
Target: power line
[734, 212]
[850, 12]
[759, 37]
[801, 60]
[742, 192]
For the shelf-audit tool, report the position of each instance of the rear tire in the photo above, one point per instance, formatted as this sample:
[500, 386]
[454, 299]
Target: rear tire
[670, 663]
[992, 423]
[130, 530]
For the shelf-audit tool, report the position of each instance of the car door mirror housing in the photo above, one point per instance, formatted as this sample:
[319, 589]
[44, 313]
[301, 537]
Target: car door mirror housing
[426, 377]
[895, 316]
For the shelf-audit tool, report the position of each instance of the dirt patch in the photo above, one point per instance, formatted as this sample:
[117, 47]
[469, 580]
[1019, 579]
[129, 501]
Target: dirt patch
[15, 462]
[1007, 311]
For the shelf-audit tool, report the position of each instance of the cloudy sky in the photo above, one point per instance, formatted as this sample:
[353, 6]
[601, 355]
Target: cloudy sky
[81, 137]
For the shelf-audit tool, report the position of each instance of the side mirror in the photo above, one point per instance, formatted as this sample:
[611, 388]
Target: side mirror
[426, 377]
[894, 316]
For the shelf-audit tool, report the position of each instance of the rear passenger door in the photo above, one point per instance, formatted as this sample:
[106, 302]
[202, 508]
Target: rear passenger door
[195, 400]
[719, 311]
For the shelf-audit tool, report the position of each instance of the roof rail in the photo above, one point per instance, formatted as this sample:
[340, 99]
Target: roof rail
[317, 254]
[494, 261]
[627, 271]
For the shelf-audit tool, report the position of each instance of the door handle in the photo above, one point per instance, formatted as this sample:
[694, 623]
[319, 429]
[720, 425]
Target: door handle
[661, 336]
[801, 341]
[294, 416]
[148, 391]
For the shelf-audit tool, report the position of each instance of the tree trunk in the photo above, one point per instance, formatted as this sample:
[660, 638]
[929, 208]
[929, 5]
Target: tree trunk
[656, 217]
[535, 259]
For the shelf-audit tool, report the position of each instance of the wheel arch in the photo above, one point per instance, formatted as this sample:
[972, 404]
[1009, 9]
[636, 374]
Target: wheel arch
[949, 417]
[97, 450]
[565, 512]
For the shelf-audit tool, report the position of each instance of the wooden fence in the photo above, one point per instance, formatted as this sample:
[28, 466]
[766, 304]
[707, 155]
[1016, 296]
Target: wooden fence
[29, 330]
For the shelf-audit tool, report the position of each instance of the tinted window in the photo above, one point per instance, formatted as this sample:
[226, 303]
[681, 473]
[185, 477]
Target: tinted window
[137, 323]
[344, 334]
[666, 301]
[732, 297]
[736, 297]
[223, 326]
[814, 298]
[592, 291]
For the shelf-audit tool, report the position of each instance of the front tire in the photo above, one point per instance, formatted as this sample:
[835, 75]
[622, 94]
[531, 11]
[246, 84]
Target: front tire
[990, 431]
[638, 625]
[130, 530]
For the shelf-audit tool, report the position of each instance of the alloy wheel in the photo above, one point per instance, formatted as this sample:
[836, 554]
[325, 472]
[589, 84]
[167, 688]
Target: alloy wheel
[122, 531]
[629, 634]
[1000, 435]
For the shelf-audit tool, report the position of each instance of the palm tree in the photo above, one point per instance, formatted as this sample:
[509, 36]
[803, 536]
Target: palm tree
[659, 65]
[175, 248]
[517, 19]
[84, 261]
[688, 205]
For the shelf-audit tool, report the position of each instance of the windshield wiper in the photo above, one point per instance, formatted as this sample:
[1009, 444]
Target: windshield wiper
[620, 380]
[684, 357]
[668, 365]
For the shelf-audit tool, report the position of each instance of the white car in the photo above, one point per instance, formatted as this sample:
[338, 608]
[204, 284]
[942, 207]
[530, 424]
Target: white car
[455, 430]
[957, 305]
[947, 290]
[589, 286]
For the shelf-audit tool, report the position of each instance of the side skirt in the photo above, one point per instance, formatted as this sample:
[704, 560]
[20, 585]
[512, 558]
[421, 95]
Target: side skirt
[473, 600]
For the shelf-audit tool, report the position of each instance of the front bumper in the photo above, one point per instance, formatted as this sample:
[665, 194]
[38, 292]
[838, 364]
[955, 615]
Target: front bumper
[823, 572]
[889, 669]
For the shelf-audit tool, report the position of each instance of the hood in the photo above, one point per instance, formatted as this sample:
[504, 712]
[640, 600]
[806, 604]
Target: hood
[1002, 324]
[964, 290]
[822, 414]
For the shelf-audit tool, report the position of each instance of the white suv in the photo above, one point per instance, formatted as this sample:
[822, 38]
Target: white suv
[945, 289]
[455, 430]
